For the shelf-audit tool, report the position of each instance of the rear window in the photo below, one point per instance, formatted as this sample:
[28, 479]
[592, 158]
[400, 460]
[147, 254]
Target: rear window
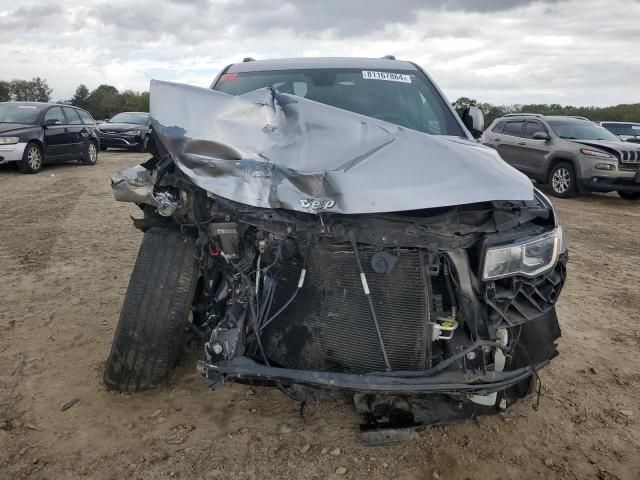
[405, 98]
[513, 128]
[86, 118]
[72, 116]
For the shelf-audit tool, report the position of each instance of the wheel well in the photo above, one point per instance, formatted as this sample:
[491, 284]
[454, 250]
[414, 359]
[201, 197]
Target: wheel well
[555, 162]
[39, 142]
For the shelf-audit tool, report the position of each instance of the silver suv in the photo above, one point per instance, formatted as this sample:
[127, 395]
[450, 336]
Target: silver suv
[568, 153]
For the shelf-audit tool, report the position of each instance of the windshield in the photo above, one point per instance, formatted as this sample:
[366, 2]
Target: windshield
[630, 129]
[574, 129]
[127, 117]
[17, 113]
[405, 98]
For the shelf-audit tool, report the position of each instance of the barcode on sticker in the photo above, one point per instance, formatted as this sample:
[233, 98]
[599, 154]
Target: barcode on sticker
[389, 76]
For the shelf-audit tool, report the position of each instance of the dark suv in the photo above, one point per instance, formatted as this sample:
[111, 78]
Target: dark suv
[32, 134]
[568, 153]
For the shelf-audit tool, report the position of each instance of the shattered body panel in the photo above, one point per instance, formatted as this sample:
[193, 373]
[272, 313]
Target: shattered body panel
[275, 150]
[341, 252]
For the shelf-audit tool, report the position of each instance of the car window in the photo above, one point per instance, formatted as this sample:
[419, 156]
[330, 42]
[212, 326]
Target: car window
[406, 98]
[56, 114]
[72, 116]
[576, 129]
[87, 119]
[498, 128]
[513, 128]
[531, 128]
[19, 113]
[631, 129]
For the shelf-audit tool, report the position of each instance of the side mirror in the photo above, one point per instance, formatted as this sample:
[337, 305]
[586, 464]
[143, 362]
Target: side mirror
[52, 121]
[473, 119]
[541, 136]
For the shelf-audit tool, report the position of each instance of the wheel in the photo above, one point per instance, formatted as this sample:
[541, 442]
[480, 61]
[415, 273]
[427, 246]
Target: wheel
[629, 195]
[90, 156]
[562, 180]
[154, 314]
[31, 159]
[144, 145]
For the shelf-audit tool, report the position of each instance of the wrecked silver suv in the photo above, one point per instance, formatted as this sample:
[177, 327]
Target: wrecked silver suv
[327, 225]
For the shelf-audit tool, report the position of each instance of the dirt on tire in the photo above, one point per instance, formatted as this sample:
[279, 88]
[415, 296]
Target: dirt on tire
[67, 250]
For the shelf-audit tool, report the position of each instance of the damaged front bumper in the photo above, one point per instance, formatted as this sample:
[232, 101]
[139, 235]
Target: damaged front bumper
[243, 368]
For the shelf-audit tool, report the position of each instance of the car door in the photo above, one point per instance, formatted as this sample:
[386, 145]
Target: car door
[76, 131]
[56, 134]
[507, 141]
[532, 153]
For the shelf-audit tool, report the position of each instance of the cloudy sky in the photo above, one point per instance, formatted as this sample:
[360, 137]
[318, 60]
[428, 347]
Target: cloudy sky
[583, 52]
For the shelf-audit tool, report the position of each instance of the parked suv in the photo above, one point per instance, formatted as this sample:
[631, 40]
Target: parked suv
[568, 153]
[128, 130]
[330, 223]
[627, 131]
[32, 134]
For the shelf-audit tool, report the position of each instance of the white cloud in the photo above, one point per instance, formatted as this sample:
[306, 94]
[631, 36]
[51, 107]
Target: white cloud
[572, 52]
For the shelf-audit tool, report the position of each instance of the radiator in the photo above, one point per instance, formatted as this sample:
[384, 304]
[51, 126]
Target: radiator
[329, 325]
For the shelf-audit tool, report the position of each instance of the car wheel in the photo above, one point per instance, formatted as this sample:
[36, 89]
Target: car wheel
[144, 145]
[629, 195]
[155, 312]
[31, 159]
[90, 156]
[562, 180]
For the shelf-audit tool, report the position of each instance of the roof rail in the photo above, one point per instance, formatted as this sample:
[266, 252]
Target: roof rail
[578, 117]
[248, 59]
[538, 115]
[389, 57]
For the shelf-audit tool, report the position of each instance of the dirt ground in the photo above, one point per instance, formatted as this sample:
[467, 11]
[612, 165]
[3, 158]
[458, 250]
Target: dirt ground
[66, 253]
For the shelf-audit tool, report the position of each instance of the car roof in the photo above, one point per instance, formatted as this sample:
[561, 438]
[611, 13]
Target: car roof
[320, 62]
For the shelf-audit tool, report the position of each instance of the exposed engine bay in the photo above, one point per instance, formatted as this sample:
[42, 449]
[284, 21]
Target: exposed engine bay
[441, 313]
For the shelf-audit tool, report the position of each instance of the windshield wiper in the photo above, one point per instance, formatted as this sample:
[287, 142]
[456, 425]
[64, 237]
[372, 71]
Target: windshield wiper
[568, 138]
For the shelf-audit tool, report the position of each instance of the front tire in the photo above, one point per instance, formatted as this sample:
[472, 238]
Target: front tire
[156, 308]
[32, 159]
[90, 156]
[629, 195]
[562, 180]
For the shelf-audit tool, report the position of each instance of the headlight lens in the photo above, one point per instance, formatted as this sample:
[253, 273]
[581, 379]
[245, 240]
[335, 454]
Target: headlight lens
[133, 132]
[9, 140]
[595, 153]
[528, 258]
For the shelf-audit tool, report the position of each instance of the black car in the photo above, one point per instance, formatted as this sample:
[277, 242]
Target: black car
[130, 130]
[33, 134]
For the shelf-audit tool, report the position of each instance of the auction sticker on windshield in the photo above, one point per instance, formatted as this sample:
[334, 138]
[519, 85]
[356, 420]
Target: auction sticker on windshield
[389, 76]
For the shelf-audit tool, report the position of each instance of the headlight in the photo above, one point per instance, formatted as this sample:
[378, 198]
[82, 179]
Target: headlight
[133, 132]
[595, 153]
[9, 140]
[528, 258]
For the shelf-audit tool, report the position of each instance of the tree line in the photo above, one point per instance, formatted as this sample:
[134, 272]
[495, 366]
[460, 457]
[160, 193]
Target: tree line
[627, 112]
[102, 102]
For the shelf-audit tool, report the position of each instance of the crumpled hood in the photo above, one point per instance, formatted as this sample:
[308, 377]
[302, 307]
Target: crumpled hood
[273, 150]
